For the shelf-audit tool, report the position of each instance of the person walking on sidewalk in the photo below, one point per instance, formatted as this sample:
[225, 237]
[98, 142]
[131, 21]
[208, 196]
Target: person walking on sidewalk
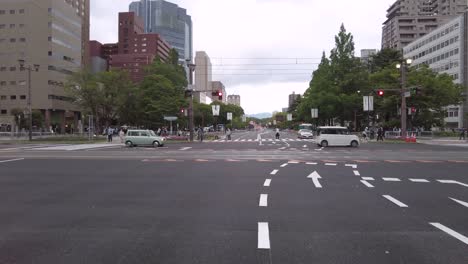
[462, 134]
[380, 134]
[110, 132]
[122, 135]
[277, 133]
[228, 133]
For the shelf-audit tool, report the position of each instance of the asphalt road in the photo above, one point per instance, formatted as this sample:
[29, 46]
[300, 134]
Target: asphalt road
[234, 202]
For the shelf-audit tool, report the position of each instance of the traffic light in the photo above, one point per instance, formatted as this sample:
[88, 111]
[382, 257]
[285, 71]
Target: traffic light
[220, 95]
[380, 93]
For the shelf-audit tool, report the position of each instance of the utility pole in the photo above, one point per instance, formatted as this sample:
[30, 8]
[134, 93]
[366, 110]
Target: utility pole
[403, 66]
[35, 67]
[191, 68]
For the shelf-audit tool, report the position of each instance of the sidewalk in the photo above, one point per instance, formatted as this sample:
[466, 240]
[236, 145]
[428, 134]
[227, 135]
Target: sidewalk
[444, 142]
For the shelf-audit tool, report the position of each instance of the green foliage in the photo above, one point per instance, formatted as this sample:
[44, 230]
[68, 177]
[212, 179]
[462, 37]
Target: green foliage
[384, 58]
[237, 113]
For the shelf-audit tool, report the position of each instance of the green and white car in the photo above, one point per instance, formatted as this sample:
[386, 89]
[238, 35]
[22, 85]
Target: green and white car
[143, 138]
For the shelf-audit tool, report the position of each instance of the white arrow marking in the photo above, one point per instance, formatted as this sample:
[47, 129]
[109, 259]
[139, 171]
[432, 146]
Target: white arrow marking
[454, 182]
[263, 200]
[460, 202]
[315, 176]
[451, 232]
[267, 183]
[263, 236]
[395, 201]
[367, 184]
[3, 161]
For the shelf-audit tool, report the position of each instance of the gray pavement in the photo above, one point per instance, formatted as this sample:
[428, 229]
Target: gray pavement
[235, 202]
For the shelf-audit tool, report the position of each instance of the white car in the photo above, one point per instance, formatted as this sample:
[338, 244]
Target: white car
[306, 133]
[335, 136]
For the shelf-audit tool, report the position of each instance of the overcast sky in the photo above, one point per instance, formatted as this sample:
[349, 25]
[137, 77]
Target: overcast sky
[263, 49]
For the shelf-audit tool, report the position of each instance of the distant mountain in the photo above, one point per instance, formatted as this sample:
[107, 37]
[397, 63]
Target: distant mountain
[261, 115]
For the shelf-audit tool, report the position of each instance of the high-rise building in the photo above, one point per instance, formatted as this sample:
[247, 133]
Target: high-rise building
[203, 76]
[82, 9]
[409, 20]
[97, 62]
[292, 98]
[366, 55]
[168, 20]
[135, 49]
[443, 50]
[47, 33]
[218, 86]
[234, 100]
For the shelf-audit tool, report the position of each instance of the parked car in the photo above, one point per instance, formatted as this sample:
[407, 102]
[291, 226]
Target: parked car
[136, 137]
[335, 136]
[305, 133]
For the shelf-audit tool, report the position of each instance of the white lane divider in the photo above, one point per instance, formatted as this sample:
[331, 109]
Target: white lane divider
[459, 201]
[11, 160]
[284, 165]
[274, 172]
[453, 182]
[354, 166]
[391, 179]
[263, 236]
[305, 146]
[330, 164]
[368, 178]
[263, 200]
[418, 180]
[267, 183]
[367, 184]
[451, 232]
[356, 173]
[395, 201]
[293, 162]
[250, 140]
[186, 148]
[311, 163]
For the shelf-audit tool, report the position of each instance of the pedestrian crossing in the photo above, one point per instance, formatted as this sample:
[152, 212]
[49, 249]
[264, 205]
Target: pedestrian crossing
[262, 140]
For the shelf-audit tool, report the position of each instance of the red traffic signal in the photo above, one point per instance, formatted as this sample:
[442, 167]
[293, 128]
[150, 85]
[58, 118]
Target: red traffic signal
[380, 93]
[220, 95]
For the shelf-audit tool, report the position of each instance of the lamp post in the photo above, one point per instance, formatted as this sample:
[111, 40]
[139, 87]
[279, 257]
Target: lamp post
[191, 68]
[34, 67]
[403, 66]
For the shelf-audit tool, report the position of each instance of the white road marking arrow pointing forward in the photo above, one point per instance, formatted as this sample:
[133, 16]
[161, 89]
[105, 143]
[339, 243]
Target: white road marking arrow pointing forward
[315, 176]
[454, 182]
[460, 202]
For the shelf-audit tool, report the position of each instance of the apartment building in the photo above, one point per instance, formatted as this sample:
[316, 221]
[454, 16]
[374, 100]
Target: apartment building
[410, 20]
[82, 9]
[46, 33]
[444, 51]
[234, 99]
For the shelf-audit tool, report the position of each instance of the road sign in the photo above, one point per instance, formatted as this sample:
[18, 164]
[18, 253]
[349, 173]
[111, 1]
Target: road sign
[314, 112]
[289, 117]
[368, 102]
[229, 116]
[170, 118]
[216, 109]
[274, 122]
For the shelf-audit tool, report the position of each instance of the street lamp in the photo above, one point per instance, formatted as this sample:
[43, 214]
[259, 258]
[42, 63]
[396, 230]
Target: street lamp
[403, 66]
[191, 68]
[34, 67]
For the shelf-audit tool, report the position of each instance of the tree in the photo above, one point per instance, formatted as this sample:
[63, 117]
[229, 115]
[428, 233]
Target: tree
[173, 57]
[384, 58]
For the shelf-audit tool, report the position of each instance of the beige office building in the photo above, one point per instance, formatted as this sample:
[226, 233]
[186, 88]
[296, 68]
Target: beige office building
[203, 76]
[408, 20]
[82, 9]
[46, 33]
[234, 99]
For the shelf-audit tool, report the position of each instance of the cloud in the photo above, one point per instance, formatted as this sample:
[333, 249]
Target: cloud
[258, 29]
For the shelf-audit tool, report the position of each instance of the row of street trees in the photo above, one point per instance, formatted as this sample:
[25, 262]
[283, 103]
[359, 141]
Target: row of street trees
[340, 81]
[113, 99]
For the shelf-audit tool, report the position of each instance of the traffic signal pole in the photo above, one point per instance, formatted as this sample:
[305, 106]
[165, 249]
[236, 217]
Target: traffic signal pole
[403, 100]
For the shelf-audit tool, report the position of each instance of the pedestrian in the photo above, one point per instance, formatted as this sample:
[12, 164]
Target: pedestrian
[122, 135]
[109, 131]
[380, 134]
[277, 133]
[462, 134]
[365, 133]
[228, 133]
[200, 134]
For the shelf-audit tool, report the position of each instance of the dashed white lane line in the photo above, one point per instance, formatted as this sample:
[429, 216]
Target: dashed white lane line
[391, 179]
[395, 201]
[293, 162]
[250, 140]
[305, 146]
[451, 232]
[354, 166]
[368, 178]
[263, 200]
[282, 148]
[284, 165]
[186, 148]
[459, 201]
[274, 172]
[418, 180]
[367, 184]
[263, 236]
[10, 160]
[311, 163]
[267, 183]
[330, 164]
[356, 173]
[453, 182]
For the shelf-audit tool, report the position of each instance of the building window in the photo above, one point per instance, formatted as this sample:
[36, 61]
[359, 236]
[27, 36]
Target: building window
[12, 25]
[21, 25]
[12, 68]
[143, 50]
[3, 83]
[2, 12]
[144, 44]
[12, 97]
[12, 40]
[2, 26]
[22, 82]
[3, 68]
[3, 111]
[22, 39]
[21, 11]
[12, 82]
[3, 97]
[22, 97]
[12, 12]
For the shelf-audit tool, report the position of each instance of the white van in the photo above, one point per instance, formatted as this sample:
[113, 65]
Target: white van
[335, 136]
